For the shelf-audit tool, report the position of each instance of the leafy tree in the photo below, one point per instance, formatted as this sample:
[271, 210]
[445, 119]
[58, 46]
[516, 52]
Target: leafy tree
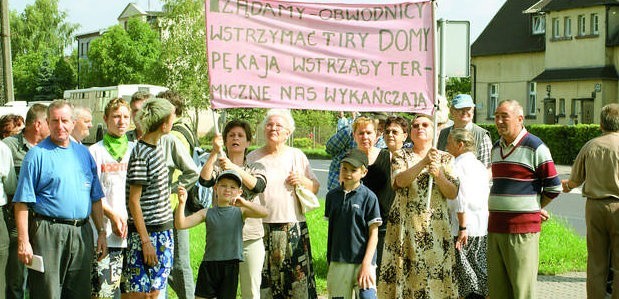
[64, 76]
[457, 86]
[184, 51]
[252, 115]
[121, 56]
[25, 69]
[40, 28]
[45, 81]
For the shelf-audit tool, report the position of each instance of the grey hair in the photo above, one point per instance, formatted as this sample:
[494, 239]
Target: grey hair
[58, 104]
[514, 105]
[464, 136]
[609, 118]
[80, 111]
[284, 114]
[154, 113]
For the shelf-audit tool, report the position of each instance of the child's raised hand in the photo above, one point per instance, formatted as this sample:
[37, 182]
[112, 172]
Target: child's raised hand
[182, 195]
[239, 202]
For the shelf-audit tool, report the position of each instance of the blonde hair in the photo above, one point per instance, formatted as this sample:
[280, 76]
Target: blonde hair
[363, 122]
[115, 104]
[154, 113]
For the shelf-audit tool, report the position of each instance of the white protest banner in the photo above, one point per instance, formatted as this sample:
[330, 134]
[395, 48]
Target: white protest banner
[341, 57]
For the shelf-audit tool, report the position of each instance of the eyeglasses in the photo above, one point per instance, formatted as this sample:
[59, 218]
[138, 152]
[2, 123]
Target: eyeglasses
[393, 132]
[417, 125]
[275, 126]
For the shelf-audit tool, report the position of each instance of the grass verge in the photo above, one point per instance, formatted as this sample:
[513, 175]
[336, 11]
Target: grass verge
[561, 249]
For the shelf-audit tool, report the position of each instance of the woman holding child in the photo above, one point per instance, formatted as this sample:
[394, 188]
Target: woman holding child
[288, 269]
[236, 137]
[418, 256]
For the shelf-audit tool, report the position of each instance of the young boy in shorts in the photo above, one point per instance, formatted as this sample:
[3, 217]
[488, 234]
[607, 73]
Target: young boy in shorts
[218, 275]
[354, 217]
[150, 243]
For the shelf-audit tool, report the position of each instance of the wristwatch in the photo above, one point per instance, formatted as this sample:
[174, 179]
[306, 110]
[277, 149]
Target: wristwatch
[461, 228]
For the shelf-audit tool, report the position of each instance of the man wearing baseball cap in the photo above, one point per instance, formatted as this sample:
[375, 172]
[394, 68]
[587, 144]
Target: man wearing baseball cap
[462, 110]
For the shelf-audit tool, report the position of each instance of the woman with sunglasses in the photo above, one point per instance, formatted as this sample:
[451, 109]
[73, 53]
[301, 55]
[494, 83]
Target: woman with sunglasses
[418, 255]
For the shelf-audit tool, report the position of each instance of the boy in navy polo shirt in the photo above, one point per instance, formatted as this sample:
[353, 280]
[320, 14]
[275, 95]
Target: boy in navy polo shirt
[354, 217]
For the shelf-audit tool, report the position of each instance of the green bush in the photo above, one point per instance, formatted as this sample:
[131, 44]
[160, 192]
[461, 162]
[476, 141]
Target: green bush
[564, 141]
[302, 143]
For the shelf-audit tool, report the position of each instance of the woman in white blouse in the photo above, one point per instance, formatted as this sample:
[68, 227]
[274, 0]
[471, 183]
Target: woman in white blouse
[469, 215]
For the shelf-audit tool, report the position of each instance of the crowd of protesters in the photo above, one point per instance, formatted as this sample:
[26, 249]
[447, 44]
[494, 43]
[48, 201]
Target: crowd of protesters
[405, 219]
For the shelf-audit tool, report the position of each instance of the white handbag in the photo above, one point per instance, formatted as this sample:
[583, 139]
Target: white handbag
[307, 198]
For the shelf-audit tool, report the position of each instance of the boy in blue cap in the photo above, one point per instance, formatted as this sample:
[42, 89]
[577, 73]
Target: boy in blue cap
[354, 217]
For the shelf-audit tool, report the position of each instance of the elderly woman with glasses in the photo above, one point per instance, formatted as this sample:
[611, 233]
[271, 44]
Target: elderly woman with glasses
[418, 255]
[288, 269]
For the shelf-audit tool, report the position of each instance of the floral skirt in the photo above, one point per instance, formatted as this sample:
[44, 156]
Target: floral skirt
[471, 268]
[288, 271]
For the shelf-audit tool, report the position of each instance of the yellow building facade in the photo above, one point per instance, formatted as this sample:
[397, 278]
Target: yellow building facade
[557, 58]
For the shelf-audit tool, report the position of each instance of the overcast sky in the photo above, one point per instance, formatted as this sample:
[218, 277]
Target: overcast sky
[98, 14]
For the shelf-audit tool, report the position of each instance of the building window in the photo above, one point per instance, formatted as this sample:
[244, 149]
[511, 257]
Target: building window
[594, 24]
[567, 27]
[555, 28]
[538, 24]
[493, 98]
[531, 98]
[581, 25]
[562, 107]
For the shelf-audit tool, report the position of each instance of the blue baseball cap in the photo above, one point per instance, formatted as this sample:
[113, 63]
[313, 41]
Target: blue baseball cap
[462, 101]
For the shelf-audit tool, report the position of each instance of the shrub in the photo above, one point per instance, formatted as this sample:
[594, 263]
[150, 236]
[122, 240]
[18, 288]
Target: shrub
[302, 143]
[564, 141]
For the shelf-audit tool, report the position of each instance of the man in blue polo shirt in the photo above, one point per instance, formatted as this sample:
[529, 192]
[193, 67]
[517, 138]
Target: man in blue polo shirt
[58, 182]
[354, 217]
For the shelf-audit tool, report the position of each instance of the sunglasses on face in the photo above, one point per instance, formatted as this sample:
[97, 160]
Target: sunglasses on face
[392, 132]
[418, 125]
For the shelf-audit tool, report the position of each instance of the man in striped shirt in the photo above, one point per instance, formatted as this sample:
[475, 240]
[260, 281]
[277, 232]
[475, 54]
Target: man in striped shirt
[524, 181]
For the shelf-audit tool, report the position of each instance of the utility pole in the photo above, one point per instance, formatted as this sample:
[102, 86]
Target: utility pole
[5, 51]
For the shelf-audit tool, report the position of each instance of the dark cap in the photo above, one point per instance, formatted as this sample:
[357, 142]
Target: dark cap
[230, 174]
[356, 158]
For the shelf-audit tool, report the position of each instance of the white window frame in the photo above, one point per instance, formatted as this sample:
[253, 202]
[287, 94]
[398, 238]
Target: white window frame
[582, 25]
[555, 28]
[595, 29]
[562, 106]
[567, 26]
[493, 98]
[531, 98]
[538, 24]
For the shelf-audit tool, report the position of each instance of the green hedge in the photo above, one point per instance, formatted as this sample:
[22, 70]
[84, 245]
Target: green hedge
[564, 141]
[302, 143]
